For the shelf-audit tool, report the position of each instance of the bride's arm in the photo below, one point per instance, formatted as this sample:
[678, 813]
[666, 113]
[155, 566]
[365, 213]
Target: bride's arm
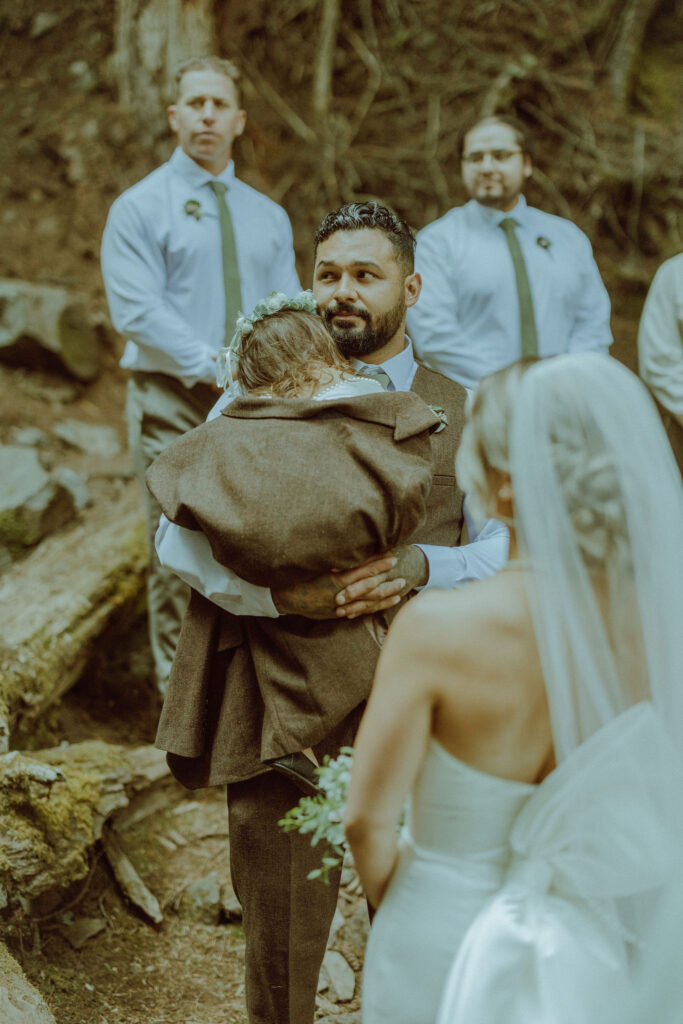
[391, 742]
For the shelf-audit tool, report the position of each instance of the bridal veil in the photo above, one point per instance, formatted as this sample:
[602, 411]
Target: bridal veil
[582, 925]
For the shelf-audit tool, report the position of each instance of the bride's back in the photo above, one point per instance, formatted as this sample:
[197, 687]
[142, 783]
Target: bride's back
[490, 707]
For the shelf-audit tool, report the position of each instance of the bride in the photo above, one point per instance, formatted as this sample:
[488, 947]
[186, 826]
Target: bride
[536, 721]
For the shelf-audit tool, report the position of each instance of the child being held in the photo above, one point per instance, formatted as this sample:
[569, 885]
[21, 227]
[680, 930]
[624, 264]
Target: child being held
[311, 467]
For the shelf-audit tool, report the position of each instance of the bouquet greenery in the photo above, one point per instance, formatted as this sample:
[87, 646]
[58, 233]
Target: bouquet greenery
[322, 815]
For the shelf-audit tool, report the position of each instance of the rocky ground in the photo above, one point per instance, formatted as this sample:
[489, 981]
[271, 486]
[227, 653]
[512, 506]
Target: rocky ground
[96, 961]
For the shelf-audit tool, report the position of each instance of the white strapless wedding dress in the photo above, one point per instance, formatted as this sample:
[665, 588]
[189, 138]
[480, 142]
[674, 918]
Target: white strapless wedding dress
[501, 909]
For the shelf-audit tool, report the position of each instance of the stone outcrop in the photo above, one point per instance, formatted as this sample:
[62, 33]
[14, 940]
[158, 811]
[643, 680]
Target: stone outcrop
[48, 328]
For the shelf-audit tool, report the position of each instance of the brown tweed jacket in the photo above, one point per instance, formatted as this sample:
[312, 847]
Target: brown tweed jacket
[244, 689]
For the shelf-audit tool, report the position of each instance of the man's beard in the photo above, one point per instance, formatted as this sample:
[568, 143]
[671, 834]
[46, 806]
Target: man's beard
[372, 336]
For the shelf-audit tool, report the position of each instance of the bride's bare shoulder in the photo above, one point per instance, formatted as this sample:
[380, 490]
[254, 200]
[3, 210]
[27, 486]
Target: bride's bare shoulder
[460, 617]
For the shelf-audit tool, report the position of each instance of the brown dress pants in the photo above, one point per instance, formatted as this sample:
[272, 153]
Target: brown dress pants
[286, 916]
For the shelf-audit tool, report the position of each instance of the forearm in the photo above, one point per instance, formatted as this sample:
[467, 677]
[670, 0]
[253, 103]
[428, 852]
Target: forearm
[136, 280]
[165, 341]
[484, 556]
[375, 852]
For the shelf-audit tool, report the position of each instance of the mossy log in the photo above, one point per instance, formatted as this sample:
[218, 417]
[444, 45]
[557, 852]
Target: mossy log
[55, 604]
[53, 807]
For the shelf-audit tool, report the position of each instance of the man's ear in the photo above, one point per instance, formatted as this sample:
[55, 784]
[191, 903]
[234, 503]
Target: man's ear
[412, 286]
[528, 167]
[171, 113]
[241, 123]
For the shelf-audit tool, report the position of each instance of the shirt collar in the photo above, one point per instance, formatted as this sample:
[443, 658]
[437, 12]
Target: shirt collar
[196, 176]
[400, 369]
[491, 216]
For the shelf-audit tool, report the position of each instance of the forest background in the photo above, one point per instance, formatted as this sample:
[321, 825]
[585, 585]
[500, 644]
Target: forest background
[346, 101]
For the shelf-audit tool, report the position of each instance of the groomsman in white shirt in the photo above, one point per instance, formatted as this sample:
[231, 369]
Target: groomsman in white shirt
[184, 251]
[660, 348]
[500, 279]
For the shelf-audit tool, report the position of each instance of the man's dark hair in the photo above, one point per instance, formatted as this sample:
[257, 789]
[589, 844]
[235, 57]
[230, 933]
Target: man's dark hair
[521, 134]
[371, 214]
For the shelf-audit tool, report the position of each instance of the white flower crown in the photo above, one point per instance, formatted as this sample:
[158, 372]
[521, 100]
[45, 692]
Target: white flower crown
[274, 302]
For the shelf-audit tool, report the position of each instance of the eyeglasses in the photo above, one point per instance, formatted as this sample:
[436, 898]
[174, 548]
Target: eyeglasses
[498, 156]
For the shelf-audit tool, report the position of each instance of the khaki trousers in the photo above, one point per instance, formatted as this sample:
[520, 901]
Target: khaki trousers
[286, 916]
[159, 409]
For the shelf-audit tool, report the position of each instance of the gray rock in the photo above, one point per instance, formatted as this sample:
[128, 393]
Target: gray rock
[91, 438]
[74, 483]
[201, 900]
[230, 906]
[20, 1002]
[84, 78]
[44, 327]
[78, 933]
[33, 437]
[355, 929]
[337, 923]
[43, 21]
[342, 980]
[31, 504]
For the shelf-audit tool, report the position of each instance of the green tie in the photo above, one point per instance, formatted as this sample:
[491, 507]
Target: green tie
[527, 322]
[378, 374]
[231, 274]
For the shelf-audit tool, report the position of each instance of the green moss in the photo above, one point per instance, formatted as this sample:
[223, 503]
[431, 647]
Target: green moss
[53, 822]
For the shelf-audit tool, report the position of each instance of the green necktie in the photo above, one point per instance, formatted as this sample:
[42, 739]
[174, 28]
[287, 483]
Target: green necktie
[231, 274]
[527, 321]
[378, 374]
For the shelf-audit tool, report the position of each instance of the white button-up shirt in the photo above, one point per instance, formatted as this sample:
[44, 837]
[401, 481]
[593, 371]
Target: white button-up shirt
[466, 322]
[188, 554]
[163, 266]
[660, 337]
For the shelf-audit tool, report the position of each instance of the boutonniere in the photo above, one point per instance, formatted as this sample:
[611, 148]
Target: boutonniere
[440, 415]
[543, 242]
[193, 208]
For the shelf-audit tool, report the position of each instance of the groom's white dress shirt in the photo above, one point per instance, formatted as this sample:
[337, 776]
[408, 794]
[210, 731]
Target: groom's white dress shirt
[465, 323]
[187, 552]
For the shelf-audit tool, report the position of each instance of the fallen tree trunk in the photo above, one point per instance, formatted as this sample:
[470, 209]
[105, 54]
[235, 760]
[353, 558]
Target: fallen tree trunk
[53, 807]
[55, 604]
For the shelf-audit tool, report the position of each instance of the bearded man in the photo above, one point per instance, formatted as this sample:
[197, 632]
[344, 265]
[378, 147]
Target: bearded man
[364, 281]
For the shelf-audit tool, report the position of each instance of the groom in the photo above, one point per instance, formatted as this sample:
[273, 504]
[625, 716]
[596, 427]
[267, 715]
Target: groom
[211, 724]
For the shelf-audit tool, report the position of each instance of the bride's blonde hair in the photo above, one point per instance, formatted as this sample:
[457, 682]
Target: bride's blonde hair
[485, 440]
[584, 467]
[288, 353]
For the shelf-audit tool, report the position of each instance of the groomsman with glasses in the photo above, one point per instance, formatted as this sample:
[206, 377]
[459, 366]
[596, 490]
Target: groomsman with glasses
[184, 251]
[502, 280]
